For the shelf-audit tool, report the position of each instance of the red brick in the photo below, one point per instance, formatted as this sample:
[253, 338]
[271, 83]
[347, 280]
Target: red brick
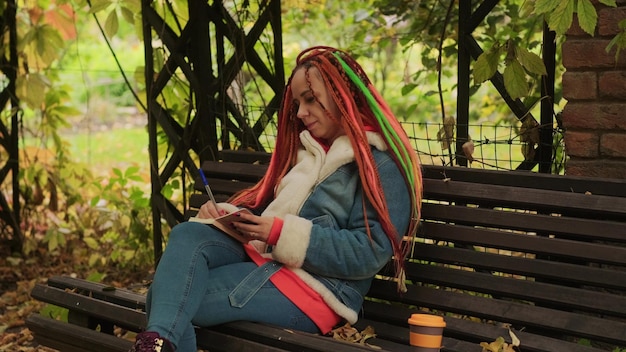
[583, 53]
[582, 144]
[613, 145]
[580, 85]
[613, 85]
[596, 168]
[608, 20]
[575, 30]
[594, 115]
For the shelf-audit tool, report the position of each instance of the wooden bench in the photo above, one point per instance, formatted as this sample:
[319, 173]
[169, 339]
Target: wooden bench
[542, 255]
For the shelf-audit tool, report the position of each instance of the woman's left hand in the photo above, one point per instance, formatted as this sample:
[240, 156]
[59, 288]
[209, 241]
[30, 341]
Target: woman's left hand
[254, 227]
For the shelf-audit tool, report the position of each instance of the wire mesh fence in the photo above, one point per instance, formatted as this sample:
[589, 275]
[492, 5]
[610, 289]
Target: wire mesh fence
[501, 146]
[490, 146]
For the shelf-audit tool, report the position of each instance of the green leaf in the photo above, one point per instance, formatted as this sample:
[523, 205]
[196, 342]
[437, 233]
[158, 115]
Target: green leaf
[31, 89]
[131, 170]
[486, 65]
[53, 241]
[167, 191]
[112, 24]
[45, 43]
[545, 6]
[94, 258]
[530, 61]
[128, 15]
[408, 88]
[133, 6]
[562, 17]
[587, 16]
[361, 15]
[99, 5]
[410, 110]
[619, 41]
[96, 277]
[515, 80]
[91, 242]
[128, 255]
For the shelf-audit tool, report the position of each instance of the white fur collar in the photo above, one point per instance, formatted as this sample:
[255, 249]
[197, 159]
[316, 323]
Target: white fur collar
[313, 166]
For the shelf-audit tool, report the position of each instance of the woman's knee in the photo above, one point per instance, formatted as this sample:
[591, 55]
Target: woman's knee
[192, 235]
[188, 231]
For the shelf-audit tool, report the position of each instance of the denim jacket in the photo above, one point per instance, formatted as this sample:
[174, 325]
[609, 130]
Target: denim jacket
[324, 238]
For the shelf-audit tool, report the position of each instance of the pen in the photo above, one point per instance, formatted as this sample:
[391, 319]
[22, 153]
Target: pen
[207, 188]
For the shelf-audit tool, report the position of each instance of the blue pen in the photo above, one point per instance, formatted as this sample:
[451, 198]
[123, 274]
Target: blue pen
[207, 188]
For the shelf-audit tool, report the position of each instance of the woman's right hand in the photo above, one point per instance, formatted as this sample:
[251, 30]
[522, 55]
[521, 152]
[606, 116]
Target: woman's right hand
[209, 211]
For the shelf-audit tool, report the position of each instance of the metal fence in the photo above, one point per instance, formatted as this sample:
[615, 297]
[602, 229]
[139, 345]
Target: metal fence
[492, 146]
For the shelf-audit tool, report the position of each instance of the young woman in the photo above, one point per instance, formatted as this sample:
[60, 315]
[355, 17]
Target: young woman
[342, 191]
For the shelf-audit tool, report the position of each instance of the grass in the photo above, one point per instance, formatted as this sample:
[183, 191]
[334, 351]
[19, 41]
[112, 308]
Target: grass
[115, 148]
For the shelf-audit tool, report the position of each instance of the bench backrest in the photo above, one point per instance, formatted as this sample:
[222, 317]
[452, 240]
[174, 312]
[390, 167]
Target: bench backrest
[551, 264]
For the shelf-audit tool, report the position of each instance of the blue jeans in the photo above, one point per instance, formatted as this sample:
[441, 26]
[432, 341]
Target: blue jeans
[205, 278]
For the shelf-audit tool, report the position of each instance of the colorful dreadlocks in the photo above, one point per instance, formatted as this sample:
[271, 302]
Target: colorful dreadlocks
[361, 108]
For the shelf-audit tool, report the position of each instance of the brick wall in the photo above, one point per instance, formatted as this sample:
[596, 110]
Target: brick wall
[594, 85]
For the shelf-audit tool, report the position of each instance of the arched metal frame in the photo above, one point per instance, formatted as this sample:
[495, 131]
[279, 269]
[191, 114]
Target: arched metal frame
[209, 72]
[9, 170]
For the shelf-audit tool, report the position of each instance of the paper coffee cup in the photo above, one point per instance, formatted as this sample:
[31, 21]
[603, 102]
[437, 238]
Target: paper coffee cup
[425, 332]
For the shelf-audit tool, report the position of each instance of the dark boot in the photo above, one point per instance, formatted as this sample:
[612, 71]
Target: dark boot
[149, 341]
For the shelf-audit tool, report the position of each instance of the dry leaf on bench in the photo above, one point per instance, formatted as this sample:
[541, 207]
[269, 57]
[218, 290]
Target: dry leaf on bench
[350, 334]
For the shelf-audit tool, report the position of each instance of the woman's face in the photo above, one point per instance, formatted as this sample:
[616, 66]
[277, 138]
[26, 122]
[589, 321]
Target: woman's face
[309, 111]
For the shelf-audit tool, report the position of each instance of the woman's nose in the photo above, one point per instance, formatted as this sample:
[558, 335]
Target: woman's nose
[302, 112]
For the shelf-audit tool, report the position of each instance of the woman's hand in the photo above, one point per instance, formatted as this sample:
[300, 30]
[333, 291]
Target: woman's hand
[209, 211]
[254, 227]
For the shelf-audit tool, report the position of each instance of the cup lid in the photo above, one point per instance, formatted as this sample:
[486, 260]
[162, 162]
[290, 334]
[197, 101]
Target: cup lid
[427, 320]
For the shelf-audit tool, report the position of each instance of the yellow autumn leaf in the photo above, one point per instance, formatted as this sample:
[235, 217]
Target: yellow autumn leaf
[495, 346]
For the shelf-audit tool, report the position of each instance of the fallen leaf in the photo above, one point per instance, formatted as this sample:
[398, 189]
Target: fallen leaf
[514, 340]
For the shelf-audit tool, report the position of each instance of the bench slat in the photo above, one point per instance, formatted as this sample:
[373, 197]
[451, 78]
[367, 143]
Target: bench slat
[100, 291]
[592, 252]
[245, 156]
[234, 171]
[124, 317]
[71, 338]
[225, 187]
[292, 340]
[538, 292]
[571, 184]
[566, 227]
[573, 204]
[220, 342]
[518, 314]
[541, 269]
